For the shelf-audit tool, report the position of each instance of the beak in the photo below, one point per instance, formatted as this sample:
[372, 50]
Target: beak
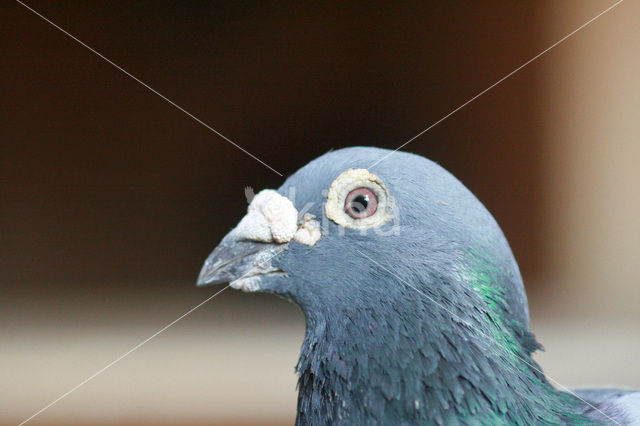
[244, 256]
[240, 263]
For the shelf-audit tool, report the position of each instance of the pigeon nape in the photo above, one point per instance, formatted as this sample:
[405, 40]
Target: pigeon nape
[415, 308]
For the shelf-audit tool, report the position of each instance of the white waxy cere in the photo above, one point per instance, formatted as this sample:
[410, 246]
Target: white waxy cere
[247, 285]
[270, 218]
[346, 182]
[309, 231]
[273, 218]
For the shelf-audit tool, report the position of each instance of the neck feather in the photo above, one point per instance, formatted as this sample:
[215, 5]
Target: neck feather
[422, 365]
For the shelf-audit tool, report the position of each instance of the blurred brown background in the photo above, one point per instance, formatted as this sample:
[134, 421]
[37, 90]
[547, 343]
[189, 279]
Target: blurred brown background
[110, 198]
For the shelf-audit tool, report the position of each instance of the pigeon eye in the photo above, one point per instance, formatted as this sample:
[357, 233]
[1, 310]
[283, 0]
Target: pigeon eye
[361, 203]
[358, 199]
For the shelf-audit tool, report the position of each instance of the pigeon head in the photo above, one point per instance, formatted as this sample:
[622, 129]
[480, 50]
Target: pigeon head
[405, 216]
[414, 304]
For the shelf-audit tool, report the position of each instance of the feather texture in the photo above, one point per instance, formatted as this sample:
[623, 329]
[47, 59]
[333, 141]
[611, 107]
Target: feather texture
[422, 319]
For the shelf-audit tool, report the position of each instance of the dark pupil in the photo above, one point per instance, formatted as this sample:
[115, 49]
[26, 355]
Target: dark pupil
[360, 203]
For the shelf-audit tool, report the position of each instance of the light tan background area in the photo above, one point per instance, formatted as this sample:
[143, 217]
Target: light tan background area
[110, 199]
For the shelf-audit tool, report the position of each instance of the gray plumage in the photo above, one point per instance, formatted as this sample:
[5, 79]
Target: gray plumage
[423, 319]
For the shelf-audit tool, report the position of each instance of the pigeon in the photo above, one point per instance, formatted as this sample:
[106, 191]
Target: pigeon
[415, 308]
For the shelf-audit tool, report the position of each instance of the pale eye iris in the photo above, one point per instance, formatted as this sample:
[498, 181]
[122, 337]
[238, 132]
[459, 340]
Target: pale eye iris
[361, 203]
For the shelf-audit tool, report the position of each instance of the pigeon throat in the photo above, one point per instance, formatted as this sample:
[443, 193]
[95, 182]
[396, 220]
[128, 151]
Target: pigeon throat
[357, 366]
